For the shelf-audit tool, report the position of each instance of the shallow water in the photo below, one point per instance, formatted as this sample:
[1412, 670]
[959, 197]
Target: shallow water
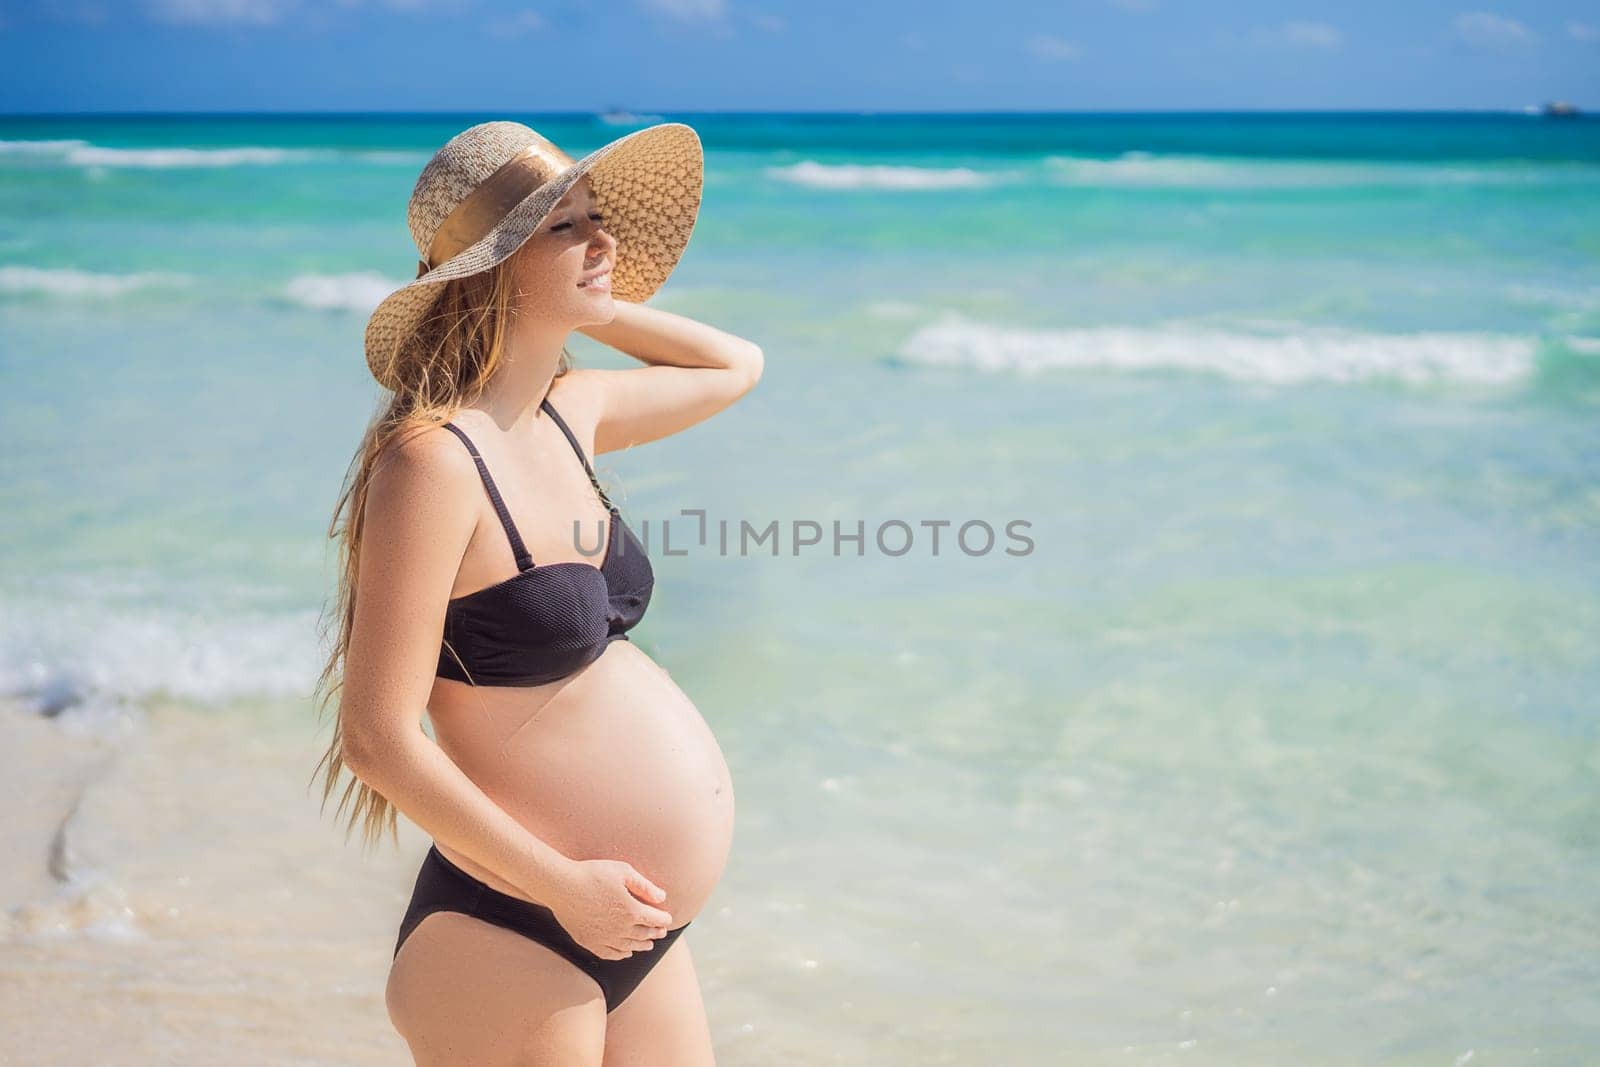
[1278, 746]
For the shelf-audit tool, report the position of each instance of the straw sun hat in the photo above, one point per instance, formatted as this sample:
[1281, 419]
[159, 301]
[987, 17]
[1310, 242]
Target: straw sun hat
[488, 189]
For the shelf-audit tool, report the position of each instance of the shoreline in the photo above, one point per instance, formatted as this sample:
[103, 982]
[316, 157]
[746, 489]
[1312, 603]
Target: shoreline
[124, 943]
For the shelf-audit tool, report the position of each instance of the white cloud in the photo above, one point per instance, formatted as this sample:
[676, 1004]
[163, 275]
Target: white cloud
[271, 12]
[1583, 31]
[687, 9]
[220, 12]
[1048, 47]
[1300, 35]
[414, 5]
[1484, 29]
[516, 24]
[80, 12]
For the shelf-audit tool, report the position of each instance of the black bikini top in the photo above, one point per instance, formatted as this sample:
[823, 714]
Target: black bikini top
[545, 622]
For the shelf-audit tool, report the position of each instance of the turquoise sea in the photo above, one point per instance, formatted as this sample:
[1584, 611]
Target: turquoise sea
[1281, 745]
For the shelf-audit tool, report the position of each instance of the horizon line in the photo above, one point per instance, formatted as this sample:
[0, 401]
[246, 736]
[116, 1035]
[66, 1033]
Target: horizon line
[1525, 109]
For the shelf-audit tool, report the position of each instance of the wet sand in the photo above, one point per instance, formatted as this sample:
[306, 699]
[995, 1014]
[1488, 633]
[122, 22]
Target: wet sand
[137, 930]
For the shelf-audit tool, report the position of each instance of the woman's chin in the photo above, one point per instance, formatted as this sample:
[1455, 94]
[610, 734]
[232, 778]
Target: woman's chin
[600, 311]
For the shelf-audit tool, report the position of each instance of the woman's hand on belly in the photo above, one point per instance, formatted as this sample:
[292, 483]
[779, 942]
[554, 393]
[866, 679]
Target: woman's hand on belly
[615, 763]
[606, 906]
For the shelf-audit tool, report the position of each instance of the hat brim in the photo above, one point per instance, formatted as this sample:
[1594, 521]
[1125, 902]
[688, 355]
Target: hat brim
[646, 184]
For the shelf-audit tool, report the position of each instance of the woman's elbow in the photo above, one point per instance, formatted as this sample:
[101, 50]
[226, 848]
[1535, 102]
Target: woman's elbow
[750, 364]
[355, 752]
[366, 753]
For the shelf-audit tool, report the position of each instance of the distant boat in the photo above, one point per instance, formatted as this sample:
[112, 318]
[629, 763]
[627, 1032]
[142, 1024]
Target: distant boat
[1559, 109]
[618, 117]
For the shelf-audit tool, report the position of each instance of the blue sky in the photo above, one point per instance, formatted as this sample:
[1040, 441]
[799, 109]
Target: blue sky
[709, 55]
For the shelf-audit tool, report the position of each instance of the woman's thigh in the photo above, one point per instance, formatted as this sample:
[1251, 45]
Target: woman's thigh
[463, 991]
[663, 1022]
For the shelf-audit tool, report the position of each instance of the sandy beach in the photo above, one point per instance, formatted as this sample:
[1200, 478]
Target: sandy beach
[140, 931]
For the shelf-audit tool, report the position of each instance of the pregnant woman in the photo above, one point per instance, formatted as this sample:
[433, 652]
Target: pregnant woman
[580, 809]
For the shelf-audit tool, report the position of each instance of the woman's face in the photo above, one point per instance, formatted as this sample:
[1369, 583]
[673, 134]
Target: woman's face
[567, 249]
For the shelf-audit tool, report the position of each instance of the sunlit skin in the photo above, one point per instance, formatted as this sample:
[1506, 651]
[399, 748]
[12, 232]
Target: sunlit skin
[612, 762]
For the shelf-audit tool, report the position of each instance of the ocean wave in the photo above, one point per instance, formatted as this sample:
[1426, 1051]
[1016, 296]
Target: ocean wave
[1304, 355]
[893, 309]
[391, 157]
[360, 291]
[1135, 169]
[80, 153]
[66, 282]
[41, 147]
[878, 176]
[96, 661]
[90, 904]
[1573, 298]
[165, 158]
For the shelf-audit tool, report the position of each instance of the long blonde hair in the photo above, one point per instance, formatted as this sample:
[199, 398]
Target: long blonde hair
[461, 343]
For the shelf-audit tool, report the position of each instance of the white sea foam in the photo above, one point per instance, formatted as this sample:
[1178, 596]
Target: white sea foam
[391, 157]
[94, 662]
[45, 147]
[164, 158]
[1577, 297]
[1134, 169]
[67, 282]
[90, 904]
[893, 309]
[80, 153]
[359, 291]
[880, 176]
[1307, 354]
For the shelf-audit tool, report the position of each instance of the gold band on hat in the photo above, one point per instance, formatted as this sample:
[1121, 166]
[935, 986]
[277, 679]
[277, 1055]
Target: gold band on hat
[481, 210]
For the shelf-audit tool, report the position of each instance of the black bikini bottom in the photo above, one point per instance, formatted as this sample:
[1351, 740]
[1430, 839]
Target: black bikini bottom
[442, 886]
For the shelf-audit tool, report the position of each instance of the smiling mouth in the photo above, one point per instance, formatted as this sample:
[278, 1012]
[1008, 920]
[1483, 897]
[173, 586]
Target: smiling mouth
[599, 281]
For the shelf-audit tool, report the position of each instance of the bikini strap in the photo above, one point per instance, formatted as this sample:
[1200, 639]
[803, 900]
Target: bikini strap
[545, 403]
[524, 560]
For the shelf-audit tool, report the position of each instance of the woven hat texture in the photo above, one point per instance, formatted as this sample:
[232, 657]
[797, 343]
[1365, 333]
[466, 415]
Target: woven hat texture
[646, 184]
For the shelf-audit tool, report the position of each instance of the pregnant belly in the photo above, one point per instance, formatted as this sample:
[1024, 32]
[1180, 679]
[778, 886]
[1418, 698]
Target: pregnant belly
[614, 762]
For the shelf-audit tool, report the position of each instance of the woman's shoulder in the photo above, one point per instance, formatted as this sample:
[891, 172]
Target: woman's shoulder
[426, 459]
